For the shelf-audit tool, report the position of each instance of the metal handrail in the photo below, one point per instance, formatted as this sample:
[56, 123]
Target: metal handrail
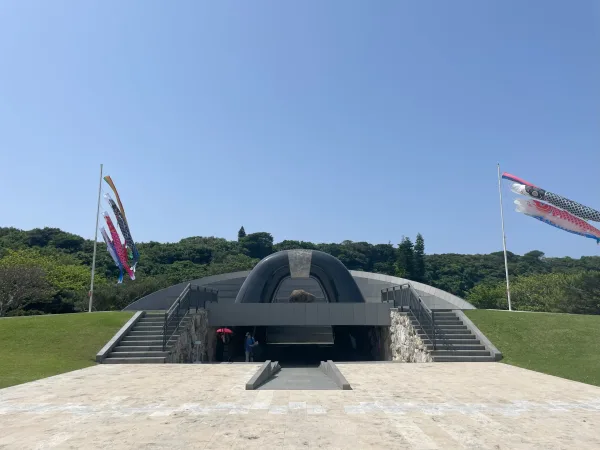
[173, 314]
[406, 296]
[213, 297]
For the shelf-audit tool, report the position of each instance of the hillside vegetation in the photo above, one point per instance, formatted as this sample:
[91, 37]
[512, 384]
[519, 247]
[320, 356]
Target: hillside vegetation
[48, 270]
[37, 347]
[563, 345]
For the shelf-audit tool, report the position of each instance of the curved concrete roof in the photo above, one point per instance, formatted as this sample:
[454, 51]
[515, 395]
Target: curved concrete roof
[433, 297]
[370, 284]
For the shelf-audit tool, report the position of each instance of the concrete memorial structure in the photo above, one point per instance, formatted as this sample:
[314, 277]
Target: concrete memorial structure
[308, 297]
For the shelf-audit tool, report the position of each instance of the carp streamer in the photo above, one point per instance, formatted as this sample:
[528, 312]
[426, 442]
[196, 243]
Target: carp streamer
[113, 253]
[127, 256]
[119, 247]
[524, 188]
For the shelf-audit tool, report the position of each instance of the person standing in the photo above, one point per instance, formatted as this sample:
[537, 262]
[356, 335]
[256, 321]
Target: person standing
[249, 345]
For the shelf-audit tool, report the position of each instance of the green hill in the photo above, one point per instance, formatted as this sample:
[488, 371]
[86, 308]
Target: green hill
[47, 270]
[37, 347]
[563, 345]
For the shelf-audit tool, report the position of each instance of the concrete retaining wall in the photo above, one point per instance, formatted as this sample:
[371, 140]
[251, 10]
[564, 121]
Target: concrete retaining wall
[405, 345]
[263, 374]
[331, 370]
[184, 350]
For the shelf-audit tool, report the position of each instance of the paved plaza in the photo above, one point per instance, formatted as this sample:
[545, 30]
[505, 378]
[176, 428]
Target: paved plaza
[395, 406]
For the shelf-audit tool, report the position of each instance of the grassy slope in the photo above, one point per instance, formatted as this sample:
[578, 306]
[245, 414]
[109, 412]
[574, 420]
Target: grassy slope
[41, 346]
[564, 345]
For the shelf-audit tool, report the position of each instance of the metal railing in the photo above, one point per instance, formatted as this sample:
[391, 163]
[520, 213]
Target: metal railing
[190, 297]
[175, 314]
[200, 295]
[406, 297]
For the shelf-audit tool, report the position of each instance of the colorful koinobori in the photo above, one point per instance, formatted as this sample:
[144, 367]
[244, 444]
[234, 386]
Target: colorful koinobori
[132, 251]
[525, 188]
[125, 256]
[113, 253]
[119, 247]
[562, 213]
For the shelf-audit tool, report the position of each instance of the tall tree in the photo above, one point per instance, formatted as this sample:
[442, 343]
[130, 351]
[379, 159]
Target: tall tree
[241, 233]
[258, 245]
[419, 259]
[405, 259]
[19, 285]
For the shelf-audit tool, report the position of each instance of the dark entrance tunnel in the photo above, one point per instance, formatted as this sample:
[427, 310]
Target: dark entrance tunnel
[348, 343]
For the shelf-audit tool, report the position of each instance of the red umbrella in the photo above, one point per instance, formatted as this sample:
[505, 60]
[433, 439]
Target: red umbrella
[224, 331]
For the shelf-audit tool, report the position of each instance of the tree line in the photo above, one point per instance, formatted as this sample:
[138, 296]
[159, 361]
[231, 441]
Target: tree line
[47, 270]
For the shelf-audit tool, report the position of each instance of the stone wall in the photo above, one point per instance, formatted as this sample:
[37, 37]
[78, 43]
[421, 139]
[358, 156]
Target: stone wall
[403, 342]
[184, 350]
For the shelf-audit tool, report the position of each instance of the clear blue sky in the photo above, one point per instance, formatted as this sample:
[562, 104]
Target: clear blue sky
[312, 120]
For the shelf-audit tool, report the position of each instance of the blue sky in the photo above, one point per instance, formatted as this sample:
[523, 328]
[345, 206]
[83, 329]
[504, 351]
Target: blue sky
[318, 121]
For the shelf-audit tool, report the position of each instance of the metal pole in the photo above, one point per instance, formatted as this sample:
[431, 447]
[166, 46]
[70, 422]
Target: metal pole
[504, 239]
[95, 242]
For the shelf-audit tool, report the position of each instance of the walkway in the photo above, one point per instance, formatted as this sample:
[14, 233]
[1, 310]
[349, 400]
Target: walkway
[300, 378]
[420, 406]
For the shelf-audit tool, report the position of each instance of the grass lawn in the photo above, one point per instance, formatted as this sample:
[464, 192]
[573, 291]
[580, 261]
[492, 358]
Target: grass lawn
[36, 347]
[563, 345]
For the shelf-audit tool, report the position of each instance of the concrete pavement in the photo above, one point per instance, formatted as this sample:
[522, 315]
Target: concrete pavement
[412, 406]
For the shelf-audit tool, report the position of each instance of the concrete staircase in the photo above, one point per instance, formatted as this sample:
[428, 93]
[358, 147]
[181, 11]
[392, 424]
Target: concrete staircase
[143, 344]
[455, 342]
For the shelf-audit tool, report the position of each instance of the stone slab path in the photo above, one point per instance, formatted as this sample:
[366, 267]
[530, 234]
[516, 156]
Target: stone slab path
[391, 406]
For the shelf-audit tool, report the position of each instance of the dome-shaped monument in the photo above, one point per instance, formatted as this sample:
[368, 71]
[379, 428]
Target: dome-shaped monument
[264, 280]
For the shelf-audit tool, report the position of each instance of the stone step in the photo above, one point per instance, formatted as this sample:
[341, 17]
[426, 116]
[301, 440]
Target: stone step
[463, 358]
[445, 325]
[444, 346]
[416, 323]
[457, 321]
[143, 327]
[138, 348]
[140, 342]
[443, 332]
[459, 335]
[460, 353]
[136, 354]
[162, 319]
[157, 329]
[148, 337]
[144, 333]
[141, 360]
[453, 342]
[462, 328]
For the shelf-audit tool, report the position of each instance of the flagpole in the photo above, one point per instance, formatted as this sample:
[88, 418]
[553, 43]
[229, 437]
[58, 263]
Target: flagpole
[95, 242]
[504, 239]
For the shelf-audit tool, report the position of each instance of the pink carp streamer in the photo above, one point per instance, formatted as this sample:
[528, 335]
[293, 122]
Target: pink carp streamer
[119, 247]
[557, 218]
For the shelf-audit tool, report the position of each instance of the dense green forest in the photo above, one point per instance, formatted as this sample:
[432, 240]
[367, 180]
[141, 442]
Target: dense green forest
[47, 270]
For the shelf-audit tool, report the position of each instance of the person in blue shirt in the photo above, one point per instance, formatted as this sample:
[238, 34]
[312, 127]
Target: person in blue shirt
[249, 345]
